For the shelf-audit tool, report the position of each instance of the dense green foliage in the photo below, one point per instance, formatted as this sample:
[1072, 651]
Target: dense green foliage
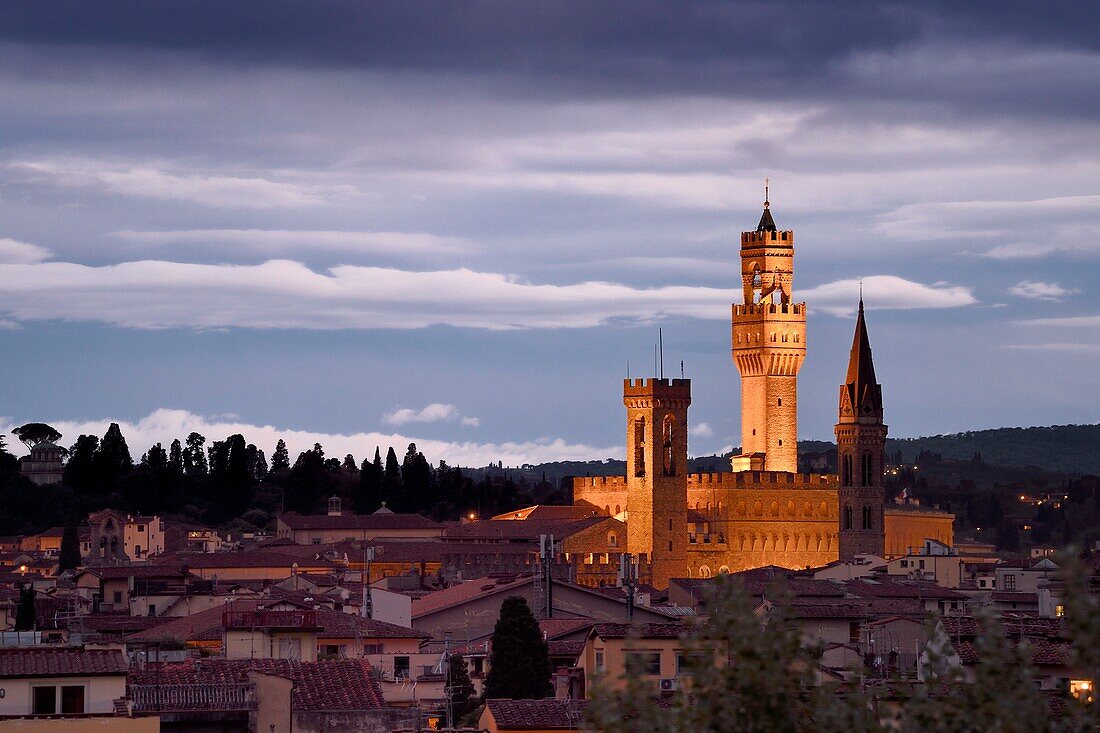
[34, 433]
[753, 675]
[1065, 448]
[460, 690]
[69, 559]
[519, 664]
[229, 483]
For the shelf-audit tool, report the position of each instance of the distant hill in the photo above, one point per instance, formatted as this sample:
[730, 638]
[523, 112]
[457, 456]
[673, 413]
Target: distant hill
[1073, 449]
[1069, 449]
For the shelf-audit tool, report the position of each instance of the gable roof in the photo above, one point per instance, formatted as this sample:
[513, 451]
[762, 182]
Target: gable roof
[547, 714]
[60, 662]
[512, 530]
[463, 592]
[207, 625]
[378, 521]
[329, 685]
[638, 631]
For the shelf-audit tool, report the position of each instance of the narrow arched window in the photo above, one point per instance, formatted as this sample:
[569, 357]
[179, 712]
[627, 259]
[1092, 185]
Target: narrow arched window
[639, 447]
[867, 517]
[847, 517]
[846, 471]
[669, 435]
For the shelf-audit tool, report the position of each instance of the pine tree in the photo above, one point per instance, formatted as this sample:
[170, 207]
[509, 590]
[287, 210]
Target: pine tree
[194, 457]
[26, 617]
[350, 466]
[113, 457]
[70, 546]
[519, 665]
[155, 458]
[280, 459]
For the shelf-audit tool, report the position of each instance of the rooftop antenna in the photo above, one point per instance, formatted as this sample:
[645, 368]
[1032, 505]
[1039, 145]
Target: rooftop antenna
[661, 341]
[628, 369]
[767, 204]
[681, 368]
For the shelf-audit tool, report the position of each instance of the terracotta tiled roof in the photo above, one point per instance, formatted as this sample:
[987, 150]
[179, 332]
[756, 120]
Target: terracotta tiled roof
[550, 511]
[897, 588]
[358, 521]
[464, 592]
[60, 662]
[120, 623]
[556, 628]
[538, 714]
[1043, 651]
[328, 685]
[110, 572]
[565, 648]
[207, 625]
[528, 529]
[257, 559]
[1003, 596]
[638, 631]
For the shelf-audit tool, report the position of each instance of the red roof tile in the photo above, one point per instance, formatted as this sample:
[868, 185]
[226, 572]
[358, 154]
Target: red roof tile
[639, 631]
[329, 685]
[525, 529]
[381, 521]
[538, 714]
[60, 662]
[207, 625]
[464, 592]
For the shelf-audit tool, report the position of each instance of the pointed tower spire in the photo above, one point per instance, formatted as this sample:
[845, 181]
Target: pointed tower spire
[863, 390]
[767, 224]
[861, 456]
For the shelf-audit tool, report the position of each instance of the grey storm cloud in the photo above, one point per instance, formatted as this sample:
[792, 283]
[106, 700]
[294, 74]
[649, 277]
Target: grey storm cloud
[755, 49]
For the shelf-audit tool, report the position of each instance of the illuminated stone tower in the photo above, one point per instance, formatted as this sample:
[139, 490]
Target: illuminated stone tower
[656, 473]
[861, 441]
[769, 344]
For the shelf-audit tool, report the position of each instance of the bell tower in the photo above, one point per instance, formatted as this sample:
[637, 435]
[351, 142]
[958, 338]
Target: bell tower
[769, 344]
[861, 457]
[656, 473]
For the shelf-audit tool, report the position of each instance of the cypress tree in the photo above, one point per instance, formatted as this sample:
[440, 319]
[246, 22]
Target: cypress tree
[460, 688]
[391, 481]
[520, 660]
[368, 491]
[280, 459]
[70, 546]
[26, 618]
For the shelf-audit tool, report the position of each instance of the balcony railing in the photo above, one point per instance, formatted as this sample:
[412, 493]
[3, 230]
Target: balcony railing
[269, 619]
[230, 696]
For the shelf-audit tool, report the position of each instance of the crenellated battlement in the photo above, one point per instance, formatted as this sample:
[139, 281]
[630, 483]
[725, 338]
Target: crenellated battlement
[605, 483]
[765, 239]
[758, 479]
[793, 311]
[667, 388]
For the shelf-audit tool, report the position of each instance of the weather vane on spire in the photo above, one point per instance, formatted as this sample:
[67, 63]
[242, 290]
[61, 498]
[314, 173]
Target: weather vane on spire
[767, 204]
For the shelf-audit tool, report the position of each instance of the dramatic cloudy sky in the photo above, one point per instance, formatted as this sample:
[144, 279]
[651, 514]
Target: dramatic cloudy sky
[456, 223]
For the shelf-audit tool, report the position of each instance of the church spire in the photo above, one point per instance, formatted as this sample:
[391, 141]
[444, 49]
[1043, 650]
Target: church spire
[863, 390]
